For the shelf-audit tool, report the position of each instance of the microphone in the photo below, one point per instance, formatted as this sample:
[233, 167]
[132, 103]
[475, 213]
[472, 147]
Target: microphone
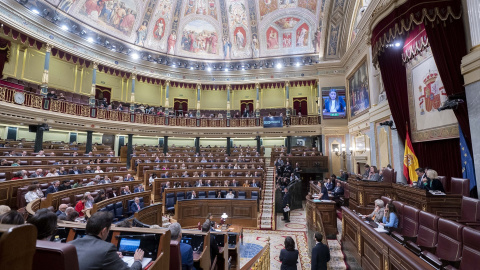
[135, 235]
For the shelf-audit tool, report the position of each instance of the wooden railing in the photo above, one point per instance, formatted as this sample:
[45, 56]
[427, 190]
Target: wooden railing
[261, 261]
[151, 215]
[67, 107]
[124, 199]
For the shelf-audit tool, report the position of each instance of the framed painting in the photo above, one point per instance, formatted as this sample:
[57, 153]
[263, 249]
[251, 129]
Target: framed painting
[425, 95]
[358, 90]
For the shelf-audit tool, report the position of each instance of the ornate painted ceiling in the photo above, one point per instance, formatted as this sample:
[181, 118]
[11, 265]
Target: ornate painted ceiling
[216, 29]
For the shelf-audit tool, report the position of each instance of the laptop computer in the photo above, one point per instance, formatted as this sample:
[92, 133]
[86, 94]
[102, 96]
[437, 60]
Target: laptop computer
[128, 246]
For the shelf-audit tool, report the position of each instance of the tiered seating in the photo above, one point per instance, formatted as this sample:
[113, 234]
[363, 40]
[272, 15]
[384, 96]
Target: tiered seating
[17, 246]
[120, 205]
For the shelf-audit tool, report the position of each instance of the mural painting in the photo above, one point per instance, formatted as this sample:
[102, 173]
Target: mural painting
[288, 3]
[302, 35]
[272, 38]
[141, 34]
[287, 40]
[255, 46]
[239, 37]
[164, 9]
[65, 5]
[172, 39]
[159, 29]
[287, 23]
[199, 37]
[202, 7]
[358, 91]
[112, 14]
[267, 6]
[309, 4]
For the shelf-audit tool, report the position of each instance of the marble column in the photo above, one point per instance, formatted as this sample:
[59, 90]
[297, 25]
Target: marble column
[197, 145]
[397, 155]
[257, 103]
[129, 150]
[229, 143]
[165, 144]
[199, 88]
[373, 148]
[259, 143]
[288, 142]
[348, 146]
[46, 67]
[132, 94]
[91, 100]
[167, 104]
[229, 88]
[287, 98]
[474, 19]
[88, 145]
[473, 103]
[38, 139]
[319, 98]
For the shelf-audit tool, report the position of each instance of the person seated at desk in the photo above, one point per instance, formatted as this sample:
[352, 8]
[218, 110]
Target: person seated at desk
[431, 182]
[199, 183]
[46, 223]
[193, 195]
[230, 195]
[373, 174]
[338, 190]
[328, 184]
[206, 227]
[421, 174]
[165, 175]
[365, 174]
[246, 184]
[390, 217]
[94, 252]
[126, 191]
[323, 192]
[186, 250]
[139, 188]
[234, 183]
[377, 214]
[136, 206]
[219, 194]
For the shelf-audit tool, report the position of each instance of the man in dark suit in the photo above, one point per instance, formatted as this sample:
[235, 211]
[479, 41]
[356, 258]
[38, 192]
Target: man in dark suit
[421, 174]
[66, 185]
[136, 206]
[165, 175]
[320, 254]
[53, 188]
[126, 190]
[338, 190]
[186, 250]
[285, 203]
[94, 252]
[74, 170]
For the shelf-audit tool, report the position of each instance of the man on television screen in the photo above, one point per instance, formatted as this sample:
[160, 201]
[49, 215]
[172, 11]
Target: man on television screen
[334, 103]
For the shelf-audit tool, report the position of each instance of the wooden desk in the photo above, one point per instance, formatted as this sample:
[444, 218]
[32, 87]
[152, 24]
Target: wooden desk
[364, 193]
[374, 250]
[243, 212]
[163, 255]
[444, 205]
[328, 213]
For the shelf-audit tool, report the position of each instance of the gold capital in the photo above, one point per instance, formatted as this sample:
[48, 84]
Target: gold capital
[229, 87]
[199, 86]
[48, 47]
[257, 85]
[287, 83]
[95, 65]
[167, 83]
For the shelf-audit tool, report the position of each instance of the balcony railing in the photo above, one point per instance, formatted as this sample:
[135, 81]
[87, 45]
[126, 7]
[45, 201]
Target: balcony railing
[67, 107]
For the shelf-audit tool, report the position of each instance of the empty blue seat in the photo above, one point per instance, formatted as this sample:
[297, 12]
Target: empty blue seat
[211, 194]
[119, 210]
[241, 195]
[180, 196]
[255, 195]
[111, 209]
[202, 194]
[224, 193]
[170, 201]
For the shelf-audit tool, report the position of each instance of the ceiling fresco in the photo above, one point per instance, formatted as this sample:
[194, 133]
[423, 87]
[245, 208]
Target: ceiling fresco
[214, 29]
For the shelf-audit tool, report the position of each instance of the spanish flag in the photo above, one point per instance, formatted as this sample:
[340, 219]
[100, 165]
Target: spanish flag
[410, 161]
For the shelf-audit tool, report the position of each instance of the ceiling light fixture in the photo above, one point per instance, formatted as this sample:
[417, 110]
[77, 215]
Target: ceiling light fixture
[90, 39]
[209, 69]
[279, 65]
[36, 11]
[64, 27]
[135, 56]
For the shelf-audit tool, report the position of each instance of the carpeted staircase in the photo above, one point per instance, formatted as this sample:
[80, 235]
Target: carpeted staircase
[267, 203]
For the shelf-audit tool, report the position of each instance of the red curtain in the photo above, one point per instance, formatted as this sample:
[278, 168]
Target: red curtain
[103, 92]
[4, 54]
[447, 41]
[180, 105]
[300, 105]
[246, 104]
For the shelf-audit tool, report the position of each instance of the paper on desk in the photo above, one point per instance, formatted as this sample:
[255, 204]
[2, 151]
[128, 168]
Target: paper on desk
[436, 192]
[381, 230]
[130, 260]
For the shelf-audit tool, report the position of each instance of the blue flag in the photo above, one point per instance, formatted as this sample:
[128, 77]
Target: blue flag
[468, 169]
